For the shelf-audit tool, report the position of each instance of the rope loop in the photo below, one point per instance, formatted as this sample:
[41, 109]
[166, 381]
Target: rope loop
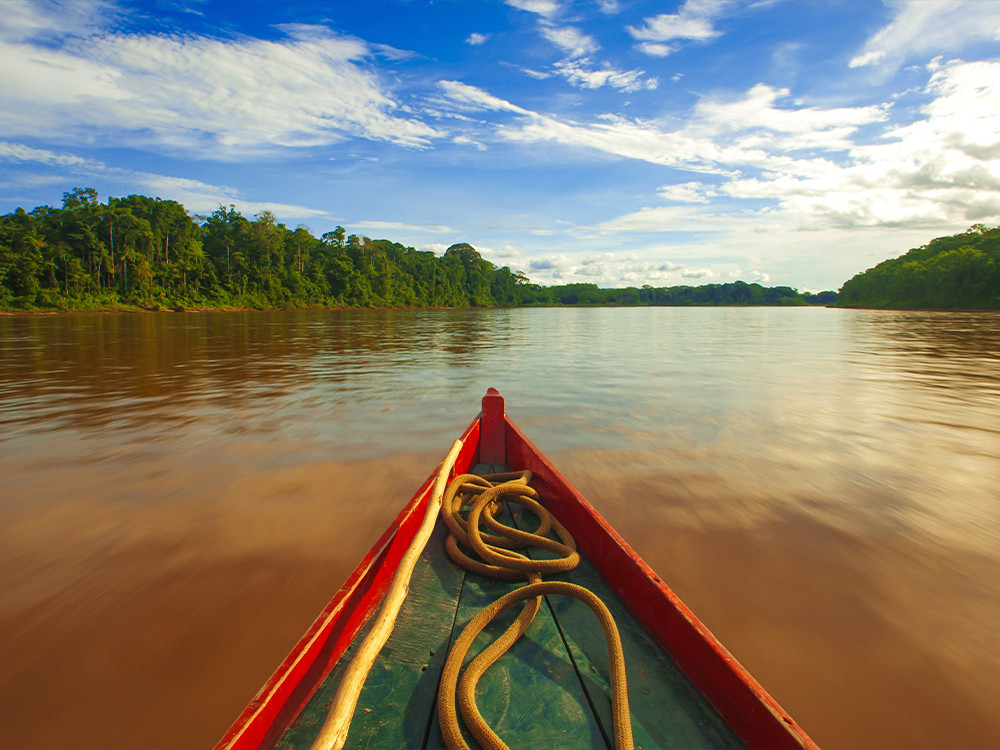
[482, 498]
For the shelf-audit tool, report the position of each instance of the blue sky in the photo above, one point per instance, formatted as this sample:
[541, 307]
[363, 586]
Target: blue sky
[790, 142]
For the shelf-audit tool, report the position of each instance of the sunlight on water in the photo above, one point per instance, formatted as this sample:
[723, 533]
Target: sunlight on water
[180, 494]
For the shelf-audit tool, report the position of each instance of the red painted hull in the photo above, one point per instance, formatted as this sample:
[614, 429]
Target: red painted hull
[752, 714]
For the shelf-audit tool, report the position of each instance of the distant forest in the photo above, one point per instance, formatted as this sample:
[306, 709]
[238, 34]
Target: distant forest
[148, 253]
[960, 272]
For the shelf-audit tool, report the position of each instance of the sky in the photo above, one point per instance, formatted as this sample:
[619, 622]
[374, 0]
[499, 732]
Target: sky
[785, 142]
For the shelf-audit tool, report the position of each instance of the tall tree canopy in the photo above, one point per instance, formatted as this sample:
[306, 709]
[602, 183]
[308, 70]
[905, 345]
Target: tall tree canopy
[151, 253]
[961, 271]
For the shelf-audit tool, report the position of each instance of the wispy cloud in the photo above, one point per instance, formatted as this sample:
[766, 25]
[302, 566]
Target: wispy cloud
[583, 74]
[694, 21]
[577, 66]
[470, 98]
[688, 192]
[658, 219]
[570, 40]
[210, 96]
[25, 20]
[195, 195]
[922, 27]
[395, 226]
[546, 8]
[21, 153]
[802, 127]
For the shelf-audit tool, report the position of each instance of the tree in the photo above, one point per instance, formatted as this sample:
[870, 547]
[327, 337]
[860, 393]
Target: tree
[26, 248]
[960, 271]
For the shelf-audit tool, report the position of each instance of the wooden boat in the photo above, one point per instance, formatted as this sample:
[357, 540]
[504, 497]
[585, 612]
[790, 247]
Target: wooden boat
[685, 690]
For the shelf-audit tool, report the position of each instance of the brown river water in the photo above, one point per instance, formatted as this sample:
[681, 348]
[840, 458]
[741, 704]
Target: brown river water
[181, 493]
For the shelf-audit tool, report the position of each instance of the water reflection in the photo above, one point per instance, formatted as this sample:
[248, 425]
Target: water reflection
[820, 486]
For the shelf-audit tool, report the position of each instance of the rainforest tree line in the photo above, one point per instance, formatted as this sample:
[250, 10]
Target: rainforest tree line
[147, 252]
[959, 272]
[140, 252]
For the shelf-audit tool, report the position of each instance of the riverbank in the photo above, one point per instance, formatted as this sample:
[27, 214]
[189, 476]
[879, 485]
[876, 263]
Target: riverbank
[179, 309]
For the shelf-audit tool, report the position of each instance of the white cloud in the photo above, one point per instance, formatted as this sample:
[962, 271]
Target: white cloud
[666, 27]
[697, 273]
[657, 219]
[570, 40]
[580, 73]
[195, 195]
[464, 140]
[203, 95]
[688, 192]
[922, 27]
[545, 8]
[656, 49]
[693, 21]
[807, 127]
[395, 226]
[470, 98]
[634, 139]
[21, 153]
[475, 39]
[938, 172]
[25, 20]
[578, 69]
[621, 269]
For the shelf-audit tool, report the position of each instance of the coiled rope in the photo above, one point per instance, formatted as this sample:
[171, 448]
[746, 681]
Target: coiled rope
[483, 497]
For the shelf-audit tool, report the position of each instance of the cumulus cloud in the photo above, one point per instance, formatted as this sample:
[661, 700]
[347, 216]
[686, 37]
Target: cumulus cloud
[475, 39]
[939, 170]
[803, 167]
[618, 269]
[206, 95]
[926, 27]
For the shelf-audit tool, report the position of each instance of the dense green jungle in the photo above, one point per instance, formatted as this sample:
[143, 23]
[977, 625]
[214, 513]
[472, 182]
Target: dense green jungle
[137, 253]
[959, 272]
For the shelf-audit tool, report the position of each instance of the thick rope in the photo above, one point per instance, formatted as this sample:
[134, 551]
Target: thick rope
[500, 560]
[334, 732]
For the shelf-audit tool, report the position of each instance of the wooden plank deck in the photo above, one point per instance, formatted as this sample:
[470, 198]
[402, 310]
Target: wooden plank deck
[550, 691]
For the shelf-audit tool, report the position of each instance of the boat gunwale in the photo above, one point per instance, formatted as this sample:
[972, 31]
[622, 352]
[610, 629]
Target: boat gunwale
[756, 718]
[284, 694]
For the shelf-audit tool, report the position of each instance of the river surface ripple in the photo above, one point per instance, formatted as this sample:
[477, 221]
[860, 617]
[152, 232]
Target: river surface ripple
[180, 494]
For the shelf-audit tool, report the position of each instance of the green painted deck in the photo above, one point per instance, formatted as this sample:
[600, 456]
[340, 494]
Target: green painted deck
[549, 691]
